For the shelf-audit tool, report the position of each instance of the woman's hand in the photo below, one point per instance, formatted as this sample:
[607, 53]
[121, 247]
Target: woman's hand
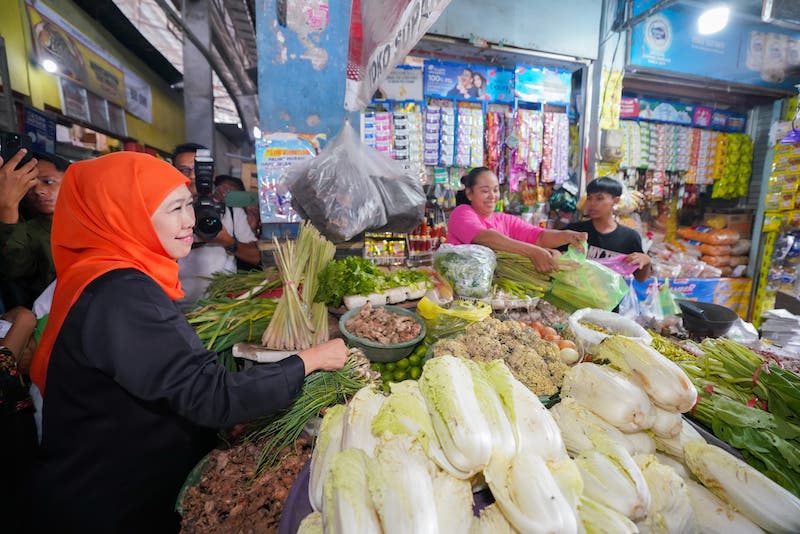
[328, 356]
[545, 260]
[576, 239]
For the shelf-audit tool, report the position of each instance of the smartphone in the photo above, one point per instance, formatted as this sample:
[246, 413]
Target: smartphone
[10, 143]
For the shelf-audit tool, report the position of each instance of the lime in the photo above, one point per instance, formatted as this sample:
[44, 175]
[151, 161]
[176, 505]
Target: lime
[390, 366]
[414, 372]
[386, 376]
[403, 364]
[415, 360]
[378, 367]
[399, 375]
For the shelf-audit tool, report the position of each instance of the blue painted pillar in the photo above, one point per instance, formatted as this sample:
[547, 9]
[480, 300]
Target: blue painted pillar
[302, 63]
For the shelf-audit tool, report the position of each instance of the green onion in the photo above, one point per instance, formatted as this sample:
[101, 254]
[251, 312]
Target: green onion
[222, 322]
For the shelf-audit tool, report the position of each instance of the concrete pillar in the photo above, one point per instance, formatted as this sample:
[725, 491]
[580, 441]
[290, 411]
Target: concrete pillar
[302, 65]
[198, 96]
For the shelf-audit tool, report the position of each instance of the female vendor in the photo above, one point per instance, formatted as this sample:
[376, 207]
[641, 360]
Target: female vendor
[475, 221]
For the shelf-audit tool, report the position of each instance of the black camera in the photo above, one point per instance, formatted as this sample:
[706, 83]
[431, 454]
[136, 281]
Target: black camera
[10, 143]
[207, 211]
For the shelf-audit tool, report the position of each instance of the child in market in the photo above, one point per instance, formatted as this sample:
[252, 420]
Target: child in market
[607, 238]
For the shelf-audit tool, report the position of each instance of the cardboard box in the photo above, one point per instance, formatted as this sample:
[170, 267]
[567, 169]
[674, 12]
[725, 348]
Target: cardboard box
[250, 176]
[738, 222]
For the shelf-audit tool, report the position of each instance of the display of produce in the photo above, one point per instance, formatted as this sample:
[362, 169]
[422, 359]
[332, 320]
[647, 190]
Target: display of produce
[534, 361]
[468, 268]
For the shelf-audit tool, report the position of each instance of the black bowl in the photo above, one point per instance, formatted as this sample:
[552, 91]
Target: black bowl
[705, 319]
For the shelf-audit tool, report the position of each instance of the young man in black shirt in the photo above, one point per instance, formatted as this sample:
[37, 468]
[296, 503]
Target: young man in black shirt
[606, 237]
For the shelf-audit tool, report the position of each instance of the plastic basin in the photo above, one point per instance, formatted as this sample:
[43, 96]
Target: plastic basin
[705, 319]
[379, 352]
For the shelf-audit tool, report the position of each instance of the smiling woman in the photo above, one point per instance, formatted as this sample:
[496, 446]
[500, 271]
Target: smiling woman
[475, 221]
[130, 393]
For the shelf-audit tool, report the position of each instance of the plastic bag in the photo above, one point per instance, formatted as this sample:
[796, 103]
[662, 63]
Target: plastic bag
[610, 321]
[629, 306]
[715, 250]
[335, 190]
[708, 235]
[590, 285]
[444, 321]
[618, 264]
[401, 194]
[468, 268]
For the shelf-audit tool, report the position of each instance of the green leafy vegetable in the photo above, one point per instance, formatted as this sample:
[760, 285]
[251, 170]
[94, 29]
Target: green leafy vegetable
[349, 276]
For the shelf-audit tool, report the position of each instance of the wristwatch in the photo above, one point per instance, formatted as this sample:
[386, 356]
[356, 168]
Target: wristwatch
[233, 247]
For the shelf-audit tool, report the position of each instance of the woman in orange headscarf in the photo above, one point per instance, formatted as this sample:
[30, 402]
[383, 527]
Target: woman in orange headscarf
[131, 397]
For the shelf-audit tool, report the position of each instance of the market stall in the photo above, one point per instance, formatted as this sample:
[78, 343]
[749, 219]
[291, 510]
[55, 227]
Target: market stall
[460, 404]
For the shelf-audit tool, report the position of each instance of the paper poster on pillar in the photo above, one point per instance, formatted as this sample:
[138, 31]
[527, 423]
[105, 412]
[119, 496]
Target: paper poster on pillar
[275, 154]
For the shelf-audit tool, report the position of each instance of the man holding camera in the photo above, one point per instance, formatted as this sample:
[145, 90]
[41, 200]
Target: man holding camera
[216, 247]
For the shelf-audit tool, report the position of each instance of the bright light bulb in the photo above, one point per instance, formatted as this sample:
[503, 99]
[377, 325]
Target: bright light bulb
[713, 20]
[50, 66]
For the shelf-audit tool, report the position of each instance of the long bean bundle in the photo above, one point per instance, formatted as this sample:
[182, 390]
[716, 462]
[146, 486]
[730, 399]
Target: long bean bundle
[222, 322]
[320, 390]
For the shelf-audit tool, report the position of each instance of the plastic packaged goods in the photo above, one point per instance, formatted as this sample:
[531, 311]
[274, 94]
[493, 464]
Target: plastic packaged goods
[717, 261]
[468, 268]
[708, 235]
[715, 250]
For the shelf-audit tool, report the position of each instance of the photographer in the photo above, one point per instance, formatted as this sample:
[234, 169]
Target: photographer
[235, 239]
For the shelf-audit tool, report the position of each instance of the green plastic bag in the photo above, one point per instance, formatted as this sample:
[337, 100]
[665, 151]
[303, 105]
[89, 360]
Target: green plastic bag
[590, 285]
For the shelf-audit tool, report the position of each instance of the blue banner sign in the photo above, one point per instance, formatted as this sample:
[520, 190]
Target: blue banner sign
[468, 82]
[745, 53]
[539, 84]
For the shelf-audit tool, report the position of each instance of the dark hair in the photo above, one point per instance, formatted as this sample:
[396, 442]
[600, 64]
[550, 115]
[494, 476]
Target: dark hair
[61, 164]
[228, 178]
[604, 185]
[186, 147]
[468, 180]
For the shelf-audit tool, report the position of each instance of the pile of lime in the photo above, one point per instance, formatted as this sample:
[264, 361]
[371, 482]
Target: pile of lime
[409, 367]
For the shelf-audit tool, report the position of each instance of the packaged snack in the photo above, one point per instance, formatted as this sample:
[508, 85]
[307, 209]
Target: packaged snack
[716, 261]
[715, 250]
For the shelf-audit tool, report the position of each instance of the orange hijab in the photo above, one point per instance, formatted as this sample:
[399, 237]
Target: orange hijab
[102, 223]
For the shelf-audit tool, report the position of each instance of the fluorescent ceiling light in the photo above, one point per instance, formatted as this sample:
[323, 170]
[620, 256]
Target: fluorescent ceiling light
[50, 66]
[713, 20]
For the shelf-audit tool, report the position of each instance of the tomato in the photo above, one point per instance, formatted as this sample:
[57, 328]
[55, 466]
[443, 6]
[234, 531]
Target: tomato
[537, 325]
[547, 331]
[554, 338]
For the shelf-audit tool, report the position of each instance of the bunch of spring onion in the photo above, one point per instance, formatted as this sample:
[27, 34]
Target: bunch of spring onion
[222, 322]
[320, 390]
[242, 284]
[298, 323]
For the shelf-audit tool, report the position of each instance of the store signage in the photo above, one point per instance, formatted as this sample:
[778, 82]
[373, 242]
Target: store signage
[388, 31]
[74, 100]
[98, 112]
[683, 114]
[543, 85]
[745, 53]
[138, 97]
[41, 129]
[468, 82]
[275, 153]
[117, 121]
[76, 61]
[402, 83]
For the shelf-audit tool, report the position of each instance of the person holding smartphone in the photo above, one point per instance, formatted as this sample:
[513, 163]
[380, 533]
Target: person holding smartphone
[25, 257]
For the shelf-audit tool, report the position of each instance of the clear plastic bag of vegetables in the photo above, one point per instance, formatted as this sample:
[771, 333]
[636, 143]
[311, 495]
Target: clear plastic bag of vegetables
[447, 320]
[585, 284]
[468, 268]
